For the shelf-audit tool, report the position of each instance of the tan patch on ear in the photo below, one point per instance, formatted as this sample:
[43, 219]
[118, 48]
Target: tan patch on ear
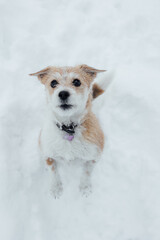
[90, 70]
[42, 75]
[96, 90]
[92, 130]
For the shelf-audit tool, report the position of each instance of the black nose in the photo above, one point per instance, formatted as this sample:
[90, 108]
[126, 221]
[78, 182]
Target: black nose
[64, 95]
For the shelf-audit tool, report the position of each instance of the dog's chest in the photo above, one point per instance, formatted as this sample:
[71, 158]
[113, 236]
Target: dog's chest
[55, 145]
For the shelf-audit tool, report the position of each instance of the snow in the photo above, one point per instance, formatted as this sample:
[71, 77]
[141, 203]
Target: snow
[122, 35]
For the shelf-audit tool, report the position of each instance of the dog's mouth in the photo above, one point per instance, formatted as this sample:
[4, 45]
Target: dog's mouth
[66, 106]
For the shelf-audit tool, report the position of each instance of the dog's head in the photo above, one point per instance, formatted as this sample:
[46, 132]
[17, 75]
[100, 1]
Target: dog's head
[69, 89]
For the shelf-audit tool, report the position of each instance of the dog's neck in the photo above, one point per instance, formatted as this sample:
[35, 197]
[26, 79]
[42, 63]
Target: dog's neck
[76, 119]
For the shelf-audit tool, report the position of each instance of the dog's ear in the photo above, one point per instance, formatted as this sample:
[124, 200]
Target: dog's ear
[42, 75]
[90, 70]
[96, 90]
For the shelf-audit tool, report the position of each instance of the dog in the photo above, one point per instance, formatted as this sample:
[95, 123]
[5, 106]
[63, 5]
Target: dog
[71, 130]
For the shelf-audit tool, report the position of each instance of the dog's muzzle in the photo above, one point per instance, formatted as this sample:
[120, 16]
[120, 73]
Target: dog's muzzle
[64, 95]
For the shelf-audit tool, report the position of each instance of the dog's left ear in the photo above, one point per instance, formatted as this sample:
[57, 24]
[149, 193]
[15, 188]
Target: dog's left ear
[90, 70]
[42, 75]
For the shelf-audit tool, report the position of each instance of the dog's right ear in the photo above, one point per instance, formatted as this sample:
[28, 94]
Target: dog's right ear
[42, 75]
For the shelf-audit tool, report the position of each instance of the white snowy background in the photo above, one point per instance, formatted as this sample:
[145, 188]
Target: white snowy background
[107, 34]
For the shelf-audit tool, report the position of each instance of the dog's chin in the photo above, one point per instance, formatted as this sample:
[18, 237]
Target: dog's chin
[66, 106]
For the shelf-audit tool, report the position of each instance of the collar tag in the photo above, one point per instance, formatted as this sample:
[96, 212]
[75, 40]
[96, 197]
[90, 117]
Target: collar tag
[68, 137]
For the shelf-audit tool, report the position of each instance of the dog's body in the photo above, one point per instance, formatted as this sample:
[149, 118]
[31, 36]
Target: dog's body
[71, 131]
[87, 144]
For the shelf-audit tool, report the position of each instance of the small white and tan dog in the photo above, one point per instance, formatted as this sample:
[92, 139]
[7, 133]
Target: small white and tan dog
[71, 130]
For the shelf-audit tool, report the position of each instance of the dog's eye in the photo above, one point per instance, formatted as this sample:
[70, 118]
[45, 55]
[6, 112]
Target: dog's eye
[54, 83]
[76, 82]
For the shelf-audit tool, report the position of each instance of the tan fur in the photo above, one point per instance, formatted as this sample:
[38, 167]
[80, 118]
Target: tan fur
[49, 161]
[96, 90]
[92, 130]
[90, 70]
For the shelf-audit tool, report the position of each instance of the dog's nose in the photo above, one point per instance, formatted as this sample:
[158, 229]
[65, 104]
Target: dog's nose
[64, 95]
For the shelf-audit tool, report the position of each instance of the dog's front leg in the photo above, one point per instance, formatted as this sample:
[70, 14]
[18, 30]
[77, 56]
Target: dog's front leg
[85, 184]
[56, 184]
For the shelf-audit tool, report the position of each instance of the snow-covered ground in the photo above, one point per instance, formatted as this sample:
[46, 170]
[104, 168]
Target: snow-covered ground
[107, 34]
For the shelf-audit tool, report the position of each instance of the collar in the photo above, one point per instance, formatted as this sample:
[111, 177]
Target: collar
[70, 129]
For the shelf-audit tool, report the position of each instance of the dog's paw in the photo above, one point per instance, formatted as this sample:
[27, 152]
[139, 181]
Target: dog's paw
[85, 189]
[57, 190]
